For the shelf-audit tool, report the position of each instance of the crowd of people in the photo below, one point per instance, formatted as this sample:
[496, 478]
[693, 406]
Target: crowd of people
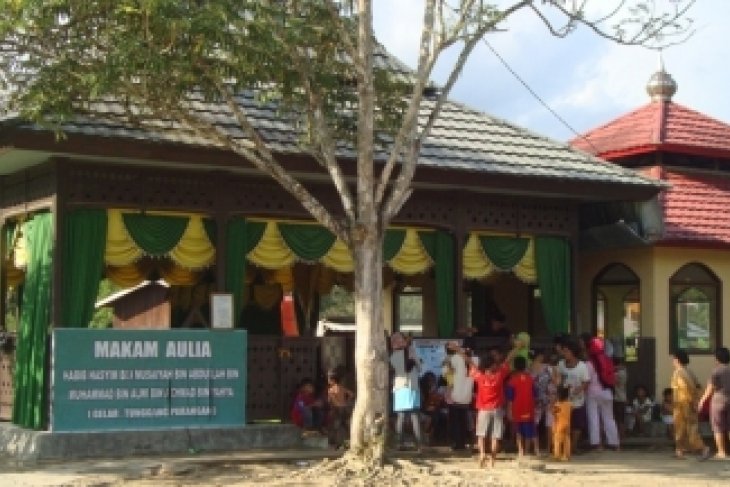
[560, 400]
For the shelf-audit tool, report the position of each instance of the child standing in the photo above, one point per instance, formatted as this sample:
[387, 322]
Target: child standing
[489, 378]
[544, 376]
[562, 411]
[406, 393]
[521, 393]
[339, 399]
[433, 404]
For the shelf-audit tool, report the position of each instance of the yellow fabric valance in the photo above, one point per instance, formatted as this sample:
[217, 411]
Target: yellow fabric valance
[476, 264]
[412, 257]
[133, 274]
[526, 270]
[193, 251]
[125, 276]
[272, 252]
[339, 258]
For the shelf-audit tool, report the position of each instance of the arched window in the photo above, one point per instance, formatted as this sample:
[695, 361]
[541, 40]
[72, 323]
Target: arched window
[617, 307]
[694, 297]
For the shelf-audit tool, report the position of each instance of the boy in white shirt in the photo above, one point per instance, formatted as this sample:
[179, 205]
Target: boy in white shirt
[574, 375]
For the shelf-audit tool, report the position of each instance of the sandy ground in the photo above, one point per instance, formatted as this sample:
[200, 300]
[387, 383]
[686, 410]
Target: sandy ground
[434, 468]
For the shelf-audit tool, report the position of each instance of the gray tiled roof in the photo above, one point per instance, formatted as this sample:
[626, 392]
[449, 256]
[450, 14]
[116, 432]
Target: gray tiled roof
[462, 139]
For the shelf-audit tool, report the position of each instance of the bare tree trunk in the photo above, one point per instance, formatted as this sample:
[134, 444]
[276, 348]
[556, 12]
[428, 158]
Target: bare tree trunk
[370, 416]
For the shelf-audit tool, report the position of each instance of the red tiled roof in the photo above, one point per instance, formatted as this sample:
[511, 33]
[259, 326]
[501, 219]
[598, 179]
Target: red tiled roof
[659, 125]
[696, 207]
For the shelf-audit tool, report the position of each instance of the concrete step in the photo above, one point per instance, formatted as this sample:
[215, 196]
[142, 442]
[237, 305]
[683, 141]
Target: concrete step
[29, 446]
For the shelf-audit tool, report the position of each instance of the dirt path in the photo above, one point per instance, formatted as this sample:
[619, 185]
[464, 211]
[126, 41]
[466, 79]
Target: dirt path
[630, 468]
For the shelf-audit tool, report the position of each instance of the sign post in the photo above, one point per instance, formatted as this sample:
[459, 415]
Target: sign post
[106, 380]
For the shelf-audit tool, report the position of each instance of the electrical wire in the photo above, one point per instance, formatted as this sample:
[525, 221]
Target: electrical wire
[536, 96]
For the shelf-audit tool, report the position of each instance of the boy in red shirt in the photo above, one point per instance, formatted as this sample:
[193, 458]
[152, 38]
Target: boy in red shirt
[489, 378]
[521, 394]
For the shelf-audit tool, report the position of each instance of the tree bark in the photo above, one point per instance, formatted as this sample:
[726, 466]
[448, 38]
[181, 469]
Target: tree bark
[370, 416]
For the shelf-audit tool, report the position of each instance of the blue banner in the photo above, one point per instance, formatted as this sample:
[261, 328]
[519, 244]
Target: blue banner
[147, 379]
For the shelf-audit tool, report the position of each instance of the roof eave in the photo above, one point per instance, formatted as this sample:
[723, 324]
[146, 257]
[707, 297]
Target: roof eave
[692, 150]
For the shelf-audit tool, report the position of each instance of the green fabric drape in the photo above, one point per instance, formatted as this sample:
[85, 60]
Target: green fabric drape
[241, 238]
[155, 234]
[309, 242]
[504, 252]
[552, 259]
[84, 239]
[392, 242]
[30, 356]
[211, 230]
[236, 240]
[8, 238]
[440, 247]
[254, 232]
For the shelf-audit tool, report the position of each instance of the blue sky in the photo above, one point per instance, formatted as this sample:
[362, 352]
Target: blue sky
[586, 79]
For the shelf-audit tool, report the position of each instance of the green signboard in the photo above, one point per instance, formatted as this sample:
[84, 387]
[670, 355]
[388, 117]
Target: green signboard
[147, 379]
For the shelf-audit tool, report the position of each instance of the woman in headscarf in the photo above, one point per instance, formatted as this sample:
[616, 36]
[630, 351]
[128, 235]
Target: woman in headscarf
[685, 387]
[599, 397]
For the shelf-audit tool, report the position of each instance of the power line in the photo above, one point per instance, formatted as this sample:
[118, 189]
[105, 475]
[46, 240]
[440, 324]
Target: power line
[536, 96]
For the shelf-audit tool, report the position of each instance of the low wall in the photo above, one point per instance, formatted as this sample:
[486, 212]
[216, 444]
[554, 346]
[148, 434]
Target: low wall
[29, 446]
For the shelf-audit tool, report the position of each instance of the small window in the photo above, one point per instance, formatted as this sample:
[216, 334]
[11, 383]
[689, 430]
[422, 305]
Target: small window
[617, 308]
[694, 301]
[409, 310]
[337, 305]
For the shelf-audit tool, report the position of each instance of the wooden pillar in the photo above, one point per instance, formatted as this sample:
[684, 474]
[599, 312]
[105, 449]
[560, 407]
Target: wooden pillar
[577, 323]
[221, 223]
[3, 280]
[58, 207]
[460, 234]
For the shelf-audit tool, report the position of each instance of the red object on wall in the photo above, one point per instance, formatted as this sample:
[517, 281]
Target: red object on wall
[289, 325]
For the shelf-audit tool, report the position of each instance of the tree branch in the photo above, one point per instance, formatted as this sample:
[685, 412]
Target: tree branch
[401, 187]
[426, 60]
[324, 149]
[263, 159]
[643, 35]
[344, 35]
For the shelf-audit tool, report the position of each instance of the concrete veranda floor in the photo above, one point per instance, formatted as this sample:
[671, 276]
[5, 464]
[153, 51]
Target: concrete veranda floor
[633, 467]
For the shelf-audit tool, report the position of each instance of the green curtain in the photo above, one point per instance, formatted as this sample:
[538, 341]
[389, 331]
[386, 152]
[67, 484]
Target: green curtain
[8, 234]
[211, 230]
[30, 356]
[552, 259]
[309, 242]
[241, 238]
[504, 252]
[84, 240]
[155, 234]
[392, 242]
[440, 247]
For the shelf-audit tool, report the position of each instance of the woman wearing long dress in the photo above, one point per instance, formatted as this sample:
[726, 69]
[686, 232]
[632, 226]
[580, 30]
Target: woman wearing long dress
[685, 386]
[718, 393]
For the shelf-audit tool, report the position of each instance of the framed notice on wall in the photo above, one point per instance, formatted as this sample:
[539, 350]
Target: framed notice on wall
[221, 310]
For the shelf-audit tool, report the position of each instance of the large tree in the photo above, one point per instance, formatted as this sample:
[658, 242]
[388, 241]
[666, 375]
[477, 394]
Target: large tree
[316, 59]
